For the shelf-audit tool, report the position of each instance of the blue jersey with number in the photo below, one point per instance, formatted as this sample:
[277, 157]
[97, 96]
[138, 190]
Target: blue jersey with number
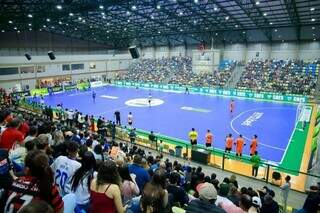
[64, 168]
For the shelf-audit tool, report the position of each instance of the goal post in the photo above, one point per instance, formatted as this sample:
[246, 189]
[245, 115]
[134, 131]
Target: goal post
[303, 115]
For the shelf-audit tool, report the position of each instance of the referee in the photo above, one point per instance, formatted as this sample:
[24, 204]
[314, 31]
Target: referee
[193, 136]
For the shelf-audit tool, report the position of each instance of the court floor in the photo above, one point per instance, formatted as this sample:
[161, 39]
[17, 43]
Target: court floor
[174, 114]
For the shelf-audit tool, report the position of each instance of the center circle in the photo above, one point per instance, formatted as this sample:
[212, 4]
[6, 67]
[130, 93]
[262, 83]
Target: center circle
[144, 102]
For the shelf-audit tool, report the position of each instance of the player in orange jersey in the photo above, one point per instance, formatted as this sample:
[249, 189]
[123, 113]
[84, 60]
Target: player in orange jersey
[209, 138]
[239, 145]
[229, 142]
[253, 145]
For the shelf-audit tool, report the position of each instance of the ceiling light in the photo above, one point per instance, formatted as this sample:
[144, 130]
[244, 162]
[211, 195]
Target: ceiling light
[29, 24]
[244, 32]
[10, 22]
[215, 8]
[15, 28]
[314, 34]
[159, 32]
[103, 17]
[2, 31]
[71, 14]
[313, 28]
[152, 17]
[40, 29]
[312, 8]
[63, 31]
[107, 31]
[128, 20]
[103, 13]
[227, 17]
[59, 7]
[196, 1]
[168, 24]
[67, 24]
[271, 23]
[265, 14]
[44, 26]
[52, 27]
[257, 2]
[30, 16]
[101, 7]
[79, 18]
[181, 30]
[216, 34]
[108, 24]
[314, 39]
[48, 20]
[237, 26]
[75, 29]
[313, 19]
[207, 28]
[90, 26]
[60, 22]
[158, 7]
[18, 31]
[194, 21]
[128, 12]
[83, 21]
[133, 7]
[276, 30]
[30, 29]
[181, 13]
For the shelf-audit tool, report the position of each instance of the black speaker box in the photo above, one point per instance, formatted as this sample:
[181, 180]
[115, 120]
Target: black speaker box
[51, 55]
[134, 52]
[200, 155]
[28, 56]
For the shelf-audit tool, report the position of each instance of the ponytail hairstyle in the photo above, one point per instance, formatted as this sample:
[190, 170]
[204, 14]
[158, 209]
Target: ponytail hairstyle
[38, 164]
[88, 165]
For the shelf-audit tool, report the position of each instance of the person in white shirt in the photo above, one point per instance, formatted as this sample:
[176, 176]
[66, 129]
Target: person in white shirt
[130, 119]
[69, 117]
[79, 183]
[65, 167]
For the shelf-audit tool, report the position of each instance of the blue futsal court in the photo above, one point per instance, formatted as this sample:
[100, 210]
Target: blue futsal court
[174, 114]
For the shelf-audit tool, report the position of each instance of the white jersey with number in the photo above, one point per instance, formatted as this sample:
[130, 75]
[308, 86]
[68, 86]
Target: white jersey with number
[64, 168]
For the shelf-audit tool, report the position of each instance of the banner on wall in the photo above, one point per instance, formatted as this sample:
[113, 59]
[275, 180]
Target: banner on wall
[214, 91]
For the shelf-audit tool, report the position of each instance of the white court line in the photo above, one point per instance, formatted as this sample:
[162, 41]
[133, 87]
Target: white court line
[263, 144]
[109, 96]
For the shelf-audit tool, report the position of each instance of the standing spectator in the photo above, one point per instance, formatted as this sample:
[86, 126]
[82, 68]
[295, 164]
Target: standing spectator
[69, 117]
[206, 201]
[142, 176]
[130, 119]
[64, 167]
[209, 138]
[193, 136]
[117, 115]
[255, 159]
[105, 191]
[132, 135]
[37, 184]
[11, 136]
[285, 188]
[129, 187]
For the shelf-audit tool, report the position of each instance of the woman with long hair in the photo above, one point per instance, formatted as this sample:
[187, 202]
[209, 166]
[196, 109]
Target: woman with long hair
[129, 187]
[81, 180]
[105, 190]
[37, 184]
[159, 180]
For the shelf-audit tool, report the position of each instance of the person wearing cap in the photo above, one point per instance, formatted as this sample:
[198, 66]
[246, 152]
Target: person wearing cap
[256, 204]
[206, 201]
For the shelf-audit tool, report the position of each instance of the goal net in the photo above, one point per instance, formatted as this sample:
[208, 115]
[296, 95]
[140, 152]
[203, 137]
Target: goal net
[303, 115]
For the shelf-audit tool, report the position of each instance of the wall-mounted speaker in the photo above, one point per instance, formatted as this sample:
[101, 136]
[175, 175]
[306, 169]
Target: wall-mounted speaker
[51, 55]
[28, 56]
[134, 52]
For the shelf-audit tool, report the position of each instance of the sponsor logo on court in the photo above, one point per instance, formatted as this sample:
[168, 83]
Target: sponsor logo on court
[144, 102]
[195, 109]
[252, 118]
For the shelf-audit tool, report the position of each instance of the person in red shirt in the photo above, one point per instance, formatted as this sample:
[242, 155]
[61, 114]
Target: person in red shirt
[254, 144]
[209, 138]
[229, 142]
[24, 127]
[239, 145]
[36, 185]
[11, 135]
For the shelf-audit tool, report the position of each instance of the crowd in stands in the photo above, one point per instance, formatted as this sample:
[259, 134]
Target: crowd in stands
[175, 70]
[51, 165]
[284, 76]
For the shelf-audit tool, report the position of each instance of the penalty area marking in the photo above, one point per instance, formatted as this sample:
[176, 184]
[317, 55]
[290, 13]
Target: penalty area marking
[144, 102]
[247, 138]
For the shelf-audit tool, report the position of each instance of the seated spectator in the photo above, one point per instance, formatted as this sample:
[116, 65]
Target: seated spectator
[233, 180]
[129, 187]
[79, 183]
[37, 184]
[269, 205]
[37, 207]
[178, 193]
[234, 195]
[33, 132]
[105, 190]
[142, 176]
[11, 137]
[206, 201]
